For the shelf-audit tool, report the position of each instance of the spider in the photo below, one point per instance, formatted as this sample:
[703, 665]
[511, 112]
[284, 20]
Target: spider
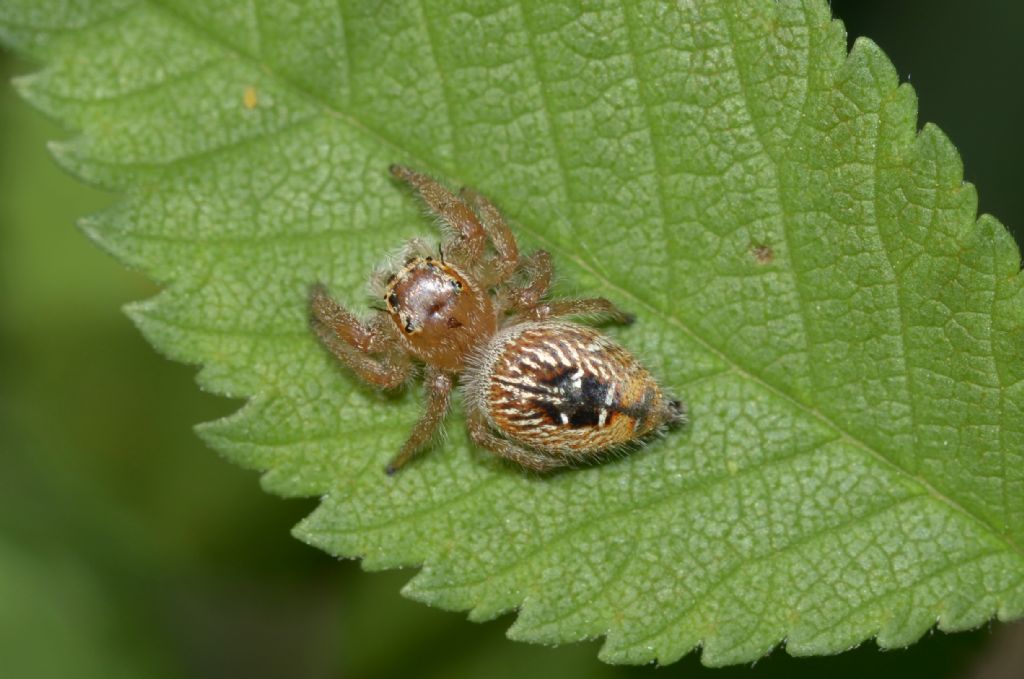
[538, 390]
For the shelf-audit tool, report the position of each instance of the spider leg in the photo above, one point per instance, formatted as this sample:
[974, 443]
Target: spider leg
[538, 271]
[439, 389]
[482, 435]
[507, 252]
[352, 342]
[470, 237]
[592, 306]
[348, 328]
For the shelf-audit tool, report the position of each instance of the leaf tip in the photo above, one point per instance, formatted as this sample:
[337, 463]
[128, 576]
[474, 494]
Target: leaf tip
[91, 227]
[136, 311]
[211, 434]
[67, 154]
[25, 85]
[866, 55]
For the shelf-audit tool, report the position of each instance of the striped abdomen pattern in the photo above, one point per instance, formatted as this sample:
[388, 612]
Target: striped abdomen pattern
[566, 389]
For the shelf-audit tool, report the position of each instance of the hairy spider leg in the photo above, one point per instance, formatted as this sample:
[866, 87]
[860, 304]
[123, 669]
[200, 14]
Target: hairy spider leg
[506, 259]
[353, 342]
[470, 235]
[438, 385]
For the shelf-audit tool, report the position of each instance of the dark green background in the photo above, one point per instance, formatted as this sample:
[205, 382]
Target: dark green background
[127, 548]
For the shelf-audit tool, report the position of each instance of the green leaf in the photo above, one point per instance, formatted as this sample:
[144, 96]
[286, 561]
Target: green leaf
[807, 270]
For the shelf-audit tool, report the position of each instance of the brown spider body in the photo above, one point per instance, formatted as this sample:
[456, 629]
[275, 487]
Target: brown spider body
[543, 393]
[567, 389]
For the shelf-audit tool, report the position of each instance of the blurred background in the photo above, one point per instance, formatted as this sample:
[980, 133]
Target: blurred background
[129, 549]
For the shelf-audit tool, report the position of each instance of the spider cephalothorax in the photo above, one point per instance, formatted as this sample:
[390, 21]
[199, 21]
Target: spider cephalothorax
[542, 392]
[439, 313]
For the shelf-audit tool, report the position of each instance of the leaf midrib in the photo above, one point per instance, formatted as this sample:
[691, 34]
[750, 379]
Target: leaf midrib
[604, 280]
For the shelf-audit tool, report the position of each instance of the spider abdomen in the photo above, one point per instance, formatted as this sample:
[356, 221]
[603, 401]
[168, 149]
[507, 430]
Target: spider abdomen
[567, 391]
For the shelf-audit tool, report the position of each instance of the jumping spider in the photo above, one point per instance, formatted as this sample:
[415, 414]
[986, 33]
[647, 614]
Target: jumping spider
[541, 392]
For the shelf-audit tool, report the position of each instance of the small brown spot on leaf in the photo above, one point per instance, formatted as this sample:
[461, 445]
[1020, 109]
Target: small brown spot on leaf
[763, 254]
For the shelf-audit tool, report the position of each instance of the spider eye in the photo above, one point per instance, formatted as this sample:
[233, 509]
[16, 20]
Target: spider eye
[457, 284]
[408, 325]
[393, 300]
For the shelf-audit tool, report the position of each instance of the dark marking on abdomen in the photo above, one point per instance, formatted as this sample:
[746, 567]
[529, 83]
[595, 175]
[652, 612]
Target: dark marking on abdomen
[580, 400]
